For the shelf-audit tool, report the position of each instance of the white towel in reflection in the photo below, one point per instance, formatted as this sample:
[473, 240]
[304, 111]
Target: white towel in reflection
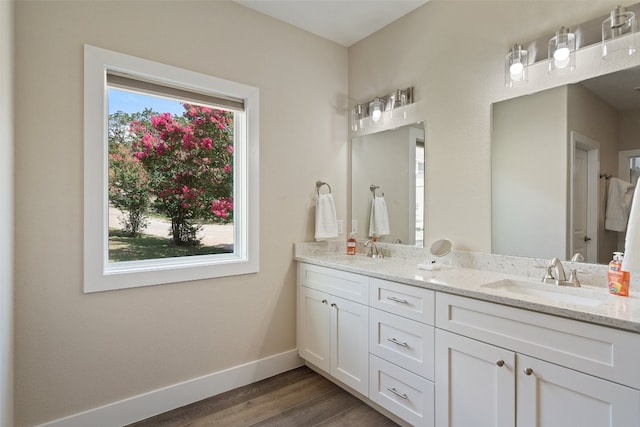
[326, 222]
[631, 261]
[618, 205]
[379, 220]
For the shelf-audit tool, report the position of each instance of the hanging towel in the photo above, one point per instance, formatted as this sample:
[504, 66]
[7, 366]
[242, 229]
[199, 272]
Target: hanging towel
[326, 222]
[631, 261]
[618, 205]
[379, 220]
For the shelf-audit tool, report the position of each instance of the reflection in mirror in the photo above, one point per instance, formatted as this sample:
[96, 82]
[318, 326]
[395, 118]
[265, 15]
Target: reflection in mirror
[557, 158]
[392, 161]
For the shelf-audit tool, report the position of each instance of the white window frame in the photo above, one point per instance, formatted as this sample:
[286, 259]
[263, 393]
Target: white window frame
[99, 274]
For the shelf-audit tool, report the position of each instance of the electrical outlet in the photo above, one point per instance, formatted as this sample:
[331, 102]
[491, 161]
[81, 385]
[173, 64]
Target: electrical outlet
[354, 226]
[340, 227]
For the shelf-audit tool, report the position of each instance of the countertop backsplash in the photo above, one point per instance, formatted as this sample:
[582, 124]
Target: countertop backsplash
[588, 274]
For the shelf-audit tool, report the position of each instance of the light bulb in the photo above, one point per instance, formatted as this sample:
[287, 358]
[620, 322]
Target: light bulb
[516, 70]
[375, 109]
[561, 53]
[561, 57]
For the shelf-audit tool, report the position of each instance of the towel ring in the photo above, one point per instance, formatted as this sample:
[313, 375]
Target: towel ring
[373, 189]
[320, 184]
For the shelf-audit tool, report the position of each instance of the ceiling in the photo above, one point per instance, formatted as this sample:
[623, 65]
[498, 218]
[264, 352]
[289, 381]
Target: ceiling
[620, 89]
[342, 21]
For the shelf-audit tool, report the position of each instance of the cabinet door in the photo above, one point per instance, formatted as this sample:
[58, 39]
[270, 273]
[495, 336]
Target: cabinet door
[350, 343]
[314, 323]
[550, 395]
[475, 383]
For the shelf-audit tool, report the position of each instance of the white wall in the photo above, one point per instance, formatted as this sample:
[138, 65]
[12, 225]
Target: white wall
[75, 351]
[629, 130]
[453, 52]
[6, 213]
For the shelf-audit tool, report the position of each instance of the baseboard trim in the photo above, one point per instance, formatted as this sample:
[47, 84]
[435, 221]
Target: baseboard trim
[155, 402]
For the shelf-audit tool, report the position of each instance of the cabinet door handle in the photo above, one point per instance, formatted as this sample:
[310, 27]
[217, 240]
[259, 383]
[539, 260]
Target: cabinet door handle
[500, 363]
[324, 301]
[527, 371]
[401, 301]
[397, 393]
[395, 341]
[333, 304]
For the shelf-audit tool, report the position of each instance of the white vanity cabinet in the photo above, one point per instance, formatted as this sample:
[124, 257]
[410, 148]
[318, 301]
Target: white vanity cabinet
[333, 317]
[503, 366]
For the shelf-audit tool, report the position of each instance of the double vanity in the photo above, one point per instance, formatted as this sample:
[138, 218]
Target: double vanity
[466, 346]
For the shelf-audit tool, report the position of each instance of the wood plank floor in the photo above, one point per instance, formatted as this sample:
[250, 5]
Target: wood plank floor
[297, 398]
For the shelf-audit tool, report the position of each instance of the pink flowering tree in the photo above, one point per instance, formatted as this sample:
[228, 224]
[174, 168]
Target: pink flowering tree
[188, 161]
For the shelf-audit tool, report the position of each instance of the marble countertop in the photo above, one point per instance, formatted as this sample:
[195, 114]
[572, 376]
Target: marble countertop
[603, 308]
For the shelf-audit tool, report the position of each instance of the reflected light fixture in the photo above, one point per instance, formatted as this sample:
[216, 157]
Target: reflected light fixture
[619, 23]
[376, 107]
[562, 49]
[382, 110]
[516, 63]
[358, 115]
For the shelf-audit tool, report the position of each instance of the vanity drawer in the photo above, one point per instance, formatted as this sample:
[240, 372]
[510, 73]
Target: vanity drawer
[402, 341]
[342, 284]
[404, 300]
[405, 394]
[594, 349]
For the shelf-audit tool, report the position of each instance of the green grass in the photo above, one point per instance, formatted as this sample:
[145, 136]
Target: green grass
[126, 248]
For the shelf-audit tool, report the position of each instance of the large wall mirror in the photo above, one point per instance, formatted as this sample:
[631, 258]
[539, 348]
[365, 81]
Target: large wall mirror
[556, 157]
[390, 164]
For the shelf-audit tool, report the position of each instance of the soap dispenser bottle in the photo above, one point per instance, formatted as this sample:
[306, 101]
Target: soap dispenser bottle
[617, 278]
[352, 244]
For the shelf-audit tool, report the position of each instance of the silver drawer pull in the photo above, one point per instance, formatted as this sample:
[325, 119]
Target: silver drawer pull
[397, 393]
[401, 301]
[395, 341]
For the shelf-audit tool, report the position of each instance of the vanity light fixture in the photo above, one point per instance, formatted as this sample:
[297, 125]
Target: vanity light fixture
[562, 52]
[376, 107]
[516, 63]
[358, 115]
[620, 22]
[382, 109]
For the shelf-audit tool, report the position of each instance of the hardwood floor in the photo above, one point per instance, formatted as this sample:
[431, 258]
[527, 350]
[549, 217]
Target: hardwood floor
[297, 398]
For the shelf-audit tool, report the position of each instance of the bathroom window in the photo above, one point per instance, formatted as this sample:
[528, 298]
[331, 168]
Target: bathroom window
[171, 167]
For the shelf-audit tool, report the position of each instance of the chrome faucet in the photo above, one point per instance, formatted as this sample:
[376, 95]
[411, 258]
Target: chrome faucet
[372, 249]
[560, 274]
[560, 278]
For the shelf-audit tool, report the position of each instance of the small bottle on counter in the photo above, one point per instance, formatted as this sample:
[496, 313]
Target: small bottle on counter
[617, 278]
[351, 244]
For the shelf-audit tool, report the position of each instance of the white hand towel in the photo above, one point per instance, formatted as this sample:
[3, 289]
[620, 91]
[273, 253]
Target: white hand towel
[617, 214]
[379, 220]
[326, 222]
[631, 261]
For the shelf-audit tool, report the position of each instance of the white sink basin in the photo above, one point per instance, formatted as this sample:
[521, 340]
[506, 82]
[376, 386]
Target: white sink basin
[549, 293]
